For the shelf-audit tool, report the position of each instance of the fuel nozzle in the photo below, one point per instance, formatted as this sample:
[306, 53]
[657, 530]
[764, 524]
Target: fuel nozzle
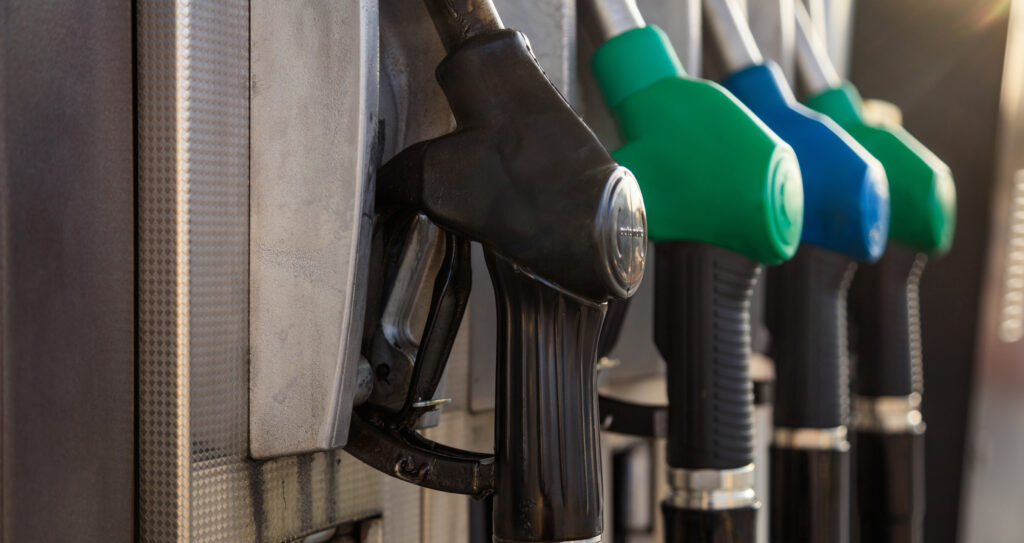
[884, 305]
[922, 195]
[846, 220]
[564, 230]
[845, 188]
[689, 142]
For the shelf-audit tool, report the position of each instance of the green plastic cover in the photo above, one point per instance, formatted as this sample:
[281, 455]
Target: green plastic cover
[708, 168]
[922, 194]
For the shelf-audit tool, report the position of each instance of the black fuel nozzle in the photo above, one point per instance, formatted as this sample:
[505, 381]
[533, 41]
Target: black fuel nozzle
[564, 230]
[523, 175]
[809, 454]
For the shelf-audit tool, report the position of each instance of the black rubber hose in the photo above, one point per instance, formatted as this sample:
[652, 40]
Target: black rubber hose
[890, 489]
[809, 495]
[693, 526]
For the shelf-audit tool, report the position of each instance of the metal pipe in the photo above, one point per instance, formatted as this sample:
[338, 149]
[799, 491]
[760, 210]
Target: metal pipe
[688, 45]
[614, 17]
[735, 41]
[816, 69]
[458, 20]
[771, 22]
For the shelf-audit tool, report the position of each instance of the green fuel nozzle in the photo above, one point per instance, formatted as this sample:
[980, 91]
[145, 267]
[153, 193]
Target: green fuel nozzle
[884, 305]
[921, 190]
[709, 169]
[723, 194]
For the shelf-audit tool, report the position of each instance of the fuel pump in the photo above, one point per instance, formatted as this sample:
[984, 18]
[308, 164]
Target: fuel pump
[724, 196]
[846, 219]
[564, 230]
[885, 305]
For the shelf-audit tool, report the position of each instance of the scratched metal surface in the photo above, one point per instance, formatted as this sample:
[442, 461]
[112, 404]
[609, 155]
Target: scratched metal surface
[196, 480]
[313, 124]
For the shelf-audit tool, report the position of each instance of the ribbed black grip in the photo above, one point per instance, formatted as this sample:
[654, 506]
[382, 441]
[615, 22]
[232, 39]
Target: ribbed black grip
[548, 454]
[809, 497]
[884, 306]
[890, 487]
[695, 526]
[702, 329]
[806, 313]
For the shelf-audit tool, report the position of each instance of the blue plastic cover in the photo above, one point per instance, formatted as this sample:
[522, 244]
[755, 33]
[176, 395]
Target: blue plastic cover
[846, 194]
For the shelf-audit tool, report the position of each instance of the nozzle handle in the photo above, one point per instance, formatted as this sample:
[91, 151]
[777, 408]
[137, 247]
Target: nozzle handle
[702, 329]
[885, 307]
[806, 313]
[889, 461]
[548, 454]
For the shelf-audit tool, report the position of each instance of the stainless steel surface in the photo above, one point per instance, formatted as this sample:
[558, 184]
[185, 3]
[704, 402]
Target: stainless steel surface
[888, 414]
[649, 390]
[613, 17]
[635, 354]
[772, 24]
[712, 489]
[732, 35]
[1011, 302]
[762, 443]
[313, 138]
[458, 20]
[364, 382]
[320, 537]
[994, 482]
[816, 11]
[639, 475]
[405, 314]
[816, 69]
[825, 439]
[596, 539]
[834, 21]
[66, 272]
[762, 370]
[681, 20]
[197, 481]
[550, 25]
[622, 224]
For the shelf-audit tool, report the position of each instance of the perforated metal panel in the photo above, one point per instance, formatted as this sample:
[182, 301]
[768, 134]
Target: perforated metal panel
[196, 481]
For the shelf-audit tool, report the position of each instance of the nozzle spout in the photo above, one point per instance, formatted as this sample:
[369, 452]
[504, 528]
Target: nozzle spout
[816, 69]
[458, 20]
[613, 17]
[735, 41]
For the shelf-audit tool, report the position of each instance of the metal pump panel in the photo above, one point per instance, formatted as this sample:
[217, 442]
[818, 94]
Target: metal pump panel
[313, 134]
